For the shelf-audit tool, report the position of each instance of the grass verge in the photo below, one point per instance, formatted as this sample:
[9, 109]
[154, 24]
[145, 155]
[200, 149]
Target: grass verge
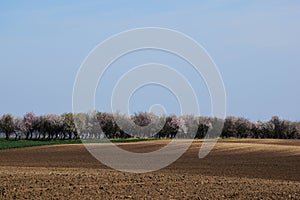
[11, 143]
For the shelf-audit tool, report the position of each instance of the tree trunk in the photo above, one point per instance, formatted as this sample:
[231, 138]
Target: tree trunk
[27, 136]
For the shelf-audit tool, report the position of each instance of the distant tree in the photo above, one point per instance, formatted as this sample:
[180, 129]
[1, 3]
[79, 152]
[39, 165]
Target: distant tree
[69, 125]
[54, 126]
[83, 127]
[177, 127]
[94, 126]
[42, 127]
[257, 130]
[146, 124]
[166, 130]
[283, 129]
[216, 126]
[7, 125]
[267, 129]
[229, 129]
[203, 127]
[173, 126]
[97, 125]
[31, 123]
[243, 128]
[279, 127]
[19, 128]
[291, 131]
[108, 124]
[123, 126]
[141, 119]
[189, 130]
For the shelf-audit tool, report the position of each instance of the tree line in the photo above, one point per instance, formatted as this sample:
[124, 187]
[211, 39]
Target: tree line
[98, 125]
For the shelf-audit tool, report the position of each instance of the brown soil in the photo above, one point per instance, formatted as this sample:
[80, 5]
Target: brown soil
[235, 169]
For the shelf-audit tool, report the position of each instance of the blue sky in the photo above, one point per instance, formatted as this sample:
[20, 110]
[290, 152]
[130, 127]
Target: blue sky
[255, 45]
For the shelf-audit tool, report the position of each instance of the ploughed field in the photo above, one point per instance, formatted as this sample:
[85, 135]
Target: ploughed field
[235, 169]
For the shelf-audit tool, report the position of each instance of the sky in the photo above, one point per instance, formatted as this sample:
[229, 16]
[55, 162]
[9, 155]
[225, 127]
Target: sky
[255, 45]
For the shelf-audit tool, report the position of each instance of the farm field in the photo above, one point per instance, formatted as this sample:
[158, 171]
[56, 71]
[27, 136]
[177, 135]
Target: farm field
[235, 169]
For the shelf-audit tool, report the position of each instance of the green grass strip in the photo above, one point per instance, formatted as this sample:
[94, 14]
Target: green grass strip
[11, 143]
